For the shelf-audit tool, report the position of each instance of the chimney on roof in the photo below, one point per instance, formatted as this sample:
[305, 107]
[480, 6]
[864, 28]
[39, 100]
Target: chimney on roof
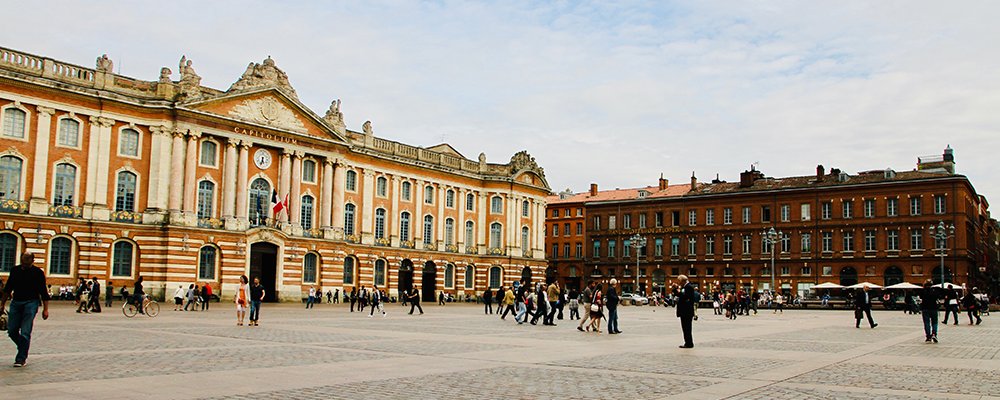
[593, 189]
[716, 180]
[820, 171]
[663, 182]
[694, 181]
[747, 178]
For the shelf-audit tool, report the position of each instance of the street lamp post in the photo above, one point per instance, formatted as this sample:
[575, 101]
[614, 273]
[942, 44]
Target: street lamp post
[637, 242]
[770, 236]
[941, 236]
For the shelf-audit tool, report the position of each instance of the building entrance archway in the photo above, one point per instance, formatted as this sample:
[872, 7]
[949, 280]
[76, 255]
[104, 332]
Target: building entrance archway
[428, 285]
[264, 265]
[526, 275]
[405, 279]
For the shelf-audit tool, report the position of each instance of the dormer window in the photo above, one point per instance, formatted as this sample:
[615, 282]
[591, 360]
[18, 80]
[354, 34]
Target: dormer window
[643, 194]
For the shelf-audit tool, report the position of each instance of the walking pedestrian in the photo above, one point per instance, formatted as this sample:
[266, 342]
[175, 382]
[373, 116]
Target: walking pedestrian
[336, 296]
[178, 297]
[863, 306]
[376, 302]
[312, 297]
[256, 297]
[552, 296]
[203, 297]
[971, 306]
[207, 289]
[242, 300]
[574, 304]
[685, 309]
[354, 297]
[596, 310]
[192, 289]
[521, 302]
[587, 296]
[488, 301]
[329, 296]
[95, 295]
[82, 292]
[414, 299]
[25, 288]
[109, 294]
[779, 303]
[507, 303]
[612, 304]
[441, 298]
[951, 303]
[929, 310]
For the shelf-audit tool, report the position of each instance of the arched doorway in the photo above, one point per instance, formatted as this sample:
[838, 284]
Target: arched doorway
[660, 281]
[405, 276]
[525, 275]
[936, 275]
[428, 286]
[848, 276]
[550, 275]
[264, 265]
[893, 275]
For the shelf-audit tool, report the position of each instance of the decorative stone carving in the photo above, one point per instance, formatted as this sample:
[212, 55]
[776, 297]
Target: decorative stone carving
[265, 74]
[522, 161]
[267, 111]
[190, 83]
[105, 64]
[367, 127]
[335, 118]
[165, 75]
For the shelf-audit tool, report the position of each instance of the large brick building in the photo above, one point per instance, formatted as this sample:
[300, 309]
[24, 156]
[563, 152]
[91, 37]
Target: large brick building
[836, 227]
[113, 177]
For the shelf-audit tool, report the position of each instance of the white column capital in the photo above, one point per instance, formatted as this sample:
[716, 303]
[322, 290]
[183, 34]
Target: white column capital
[44, 112]
[102, 121]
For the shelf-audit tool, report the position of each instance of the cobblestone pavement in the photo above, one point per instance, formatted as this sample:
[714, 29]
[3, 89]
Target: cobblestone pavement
[455, 351]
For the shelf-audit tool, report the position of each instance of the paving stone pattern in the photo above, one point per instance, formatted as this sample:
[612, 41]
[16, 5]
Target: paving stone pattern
[908, 377]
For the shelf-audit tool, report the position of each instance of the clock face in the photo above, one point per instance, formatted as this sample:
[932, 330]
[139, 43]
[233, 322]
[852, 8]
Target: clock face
[262, 158]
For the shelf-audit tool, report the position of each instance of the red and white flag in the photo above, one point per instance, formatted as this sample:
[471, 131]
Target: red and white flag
[278, 206]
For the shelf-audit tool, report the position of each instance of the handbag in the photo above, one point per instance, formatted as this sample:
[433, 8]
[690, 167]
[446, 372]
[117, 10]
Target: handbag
[858, 314]
[595, 308]
[3, 321]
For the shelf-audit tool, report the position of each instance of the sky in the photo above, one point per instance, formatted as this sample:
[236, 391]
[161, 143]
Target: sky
[613, 93]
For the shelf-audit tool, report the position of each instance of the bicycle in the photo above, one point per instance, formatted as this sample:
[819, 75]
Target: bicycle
[149, 307]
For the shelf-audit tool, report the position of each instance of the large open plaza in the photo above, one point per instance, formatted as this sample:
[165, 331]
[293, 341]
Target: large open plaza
[455, 351]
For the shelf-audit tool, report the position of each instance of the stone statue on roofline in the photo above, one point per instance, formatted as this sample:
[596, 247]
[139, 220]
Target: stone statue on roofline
[263, 75]
[367, 128]
[105, 64]
[190, 83]
[335, 118]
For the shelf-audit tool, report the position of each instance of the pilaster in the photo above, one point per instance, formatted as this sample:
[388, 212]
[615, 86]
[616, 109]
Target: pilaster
[38, 204]
[159, 176]
[368, 208]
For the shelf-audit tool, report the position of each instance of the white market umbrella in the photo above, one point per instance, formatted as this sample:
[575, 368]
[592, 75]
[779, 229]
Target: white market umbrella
[863, 284]
[948, 285]
[828, 285]
[904, 285]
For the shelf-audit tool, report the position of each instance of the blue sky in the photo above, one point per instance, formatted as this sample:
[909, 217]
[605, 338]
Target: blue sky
[612, 93]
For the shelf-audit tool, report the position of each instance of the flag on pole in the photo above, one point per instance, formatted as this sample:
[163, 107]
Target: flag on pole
[276, 205]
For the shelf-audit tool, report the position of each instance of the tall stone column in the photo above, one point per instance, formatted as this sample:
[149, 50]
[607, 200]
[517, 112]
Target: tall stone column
[368, 208]
[392, 217]
[337, 218]
[484, 240]
[174, 202]
[460, 224]
[417, 222]
[242, 193]
[326, 208]
[229, 182]
[439, 231]
[159, 176]
[38, 204]
[284, 183]
[294, 208]
[539, 245]
[190, 169]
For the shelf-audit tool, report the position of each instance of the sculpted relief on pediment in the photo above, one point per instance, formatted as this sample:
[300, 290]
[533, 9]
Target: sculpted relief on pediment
[267, 111]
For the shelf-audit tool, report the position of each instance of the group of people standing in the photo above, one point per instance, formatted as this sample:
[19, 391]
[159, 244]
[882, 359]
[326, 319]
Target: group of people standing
[194, 297]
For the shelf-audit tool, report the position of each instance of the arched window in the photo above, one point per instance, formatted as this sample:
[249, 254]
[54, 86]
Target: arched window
[309, 171]
[893, 275]
[10, 177]
[381, 187]
[449, 198]
[128, 143]
[428, 229]
[470, 202]
[525, 245]
[429, 194]
[404, 226]
[206, 198]
[208, 258]
[125, 192]
[8, 251]
[69, 133]
[306, 216]
[848, 276]
[524, 208]
[60, 256]
[936, 275]
[449, 232]
[496, 235]
[351, 181]
[449, 276]
[310, 266]
[349, 219]
[495, 277]
[470, 277]
[380, 223]
[260, 197]
[496, 205]
[470, 233]
[405, 189]
[122, 259]
[13, 122]
[349, 264]
[65, 185]
[379, 278]
[209, 153]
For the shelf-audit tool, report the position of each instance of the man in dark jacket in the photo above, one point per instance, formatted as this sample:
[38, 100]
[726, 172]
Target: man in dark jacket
[685, 310]
[26, 289]
[863, 305]
[414, 299]
[612, 304]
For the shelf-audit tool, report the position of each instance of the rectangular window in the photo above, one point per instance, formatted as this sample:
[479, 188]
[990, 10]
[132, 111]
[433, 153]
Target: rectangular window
[626, 248]
[892, 207]
[496, 205]
[597, 222]
[746, 215]
[555, 213]
[939, 205]
[710, 245]
[555, 251]
[405, 191]
[710, 216]
[659, 219]
[627, 221]
[675, 247]
[692, 246]
[848, 209]
[827, 270]
[826, 210]
[869, 208]
[786, 243]
[747, 240]
[727, 245]
[727, 216]
[915, 205]
[870, 240]
[579, 250]
[309, 171]
[612, 223]
[786, 270]
[555, 229]
[429, 194]
[892, 239]
[786, 213]
[566, 231]
[805, 211]
[449, 199]
[806, 271]
[579, 228]
[806, 243]
[659, 248]
[675, 218]
[692, 217]
[827, 242]
[566, 213]
[642, 221]
[611, 249]
[579, 212]
[916, 239]
[597, 249]
[746, 271]
[848, 241]
[765, 213]
[566, 250]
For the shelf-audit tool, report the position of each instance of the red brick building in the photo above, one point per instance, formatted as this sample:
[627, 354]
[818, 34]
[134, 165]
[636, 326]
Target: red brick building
[876, 226]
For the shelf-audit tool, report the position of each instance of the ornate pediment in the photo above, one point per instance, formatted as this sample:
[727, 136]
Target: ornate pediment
[264, 75]
[267, 111]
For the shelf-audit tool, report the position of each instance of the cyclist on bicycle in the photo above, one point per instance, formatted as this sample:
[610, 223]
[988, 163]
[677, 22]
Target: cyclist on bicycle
[138, 295]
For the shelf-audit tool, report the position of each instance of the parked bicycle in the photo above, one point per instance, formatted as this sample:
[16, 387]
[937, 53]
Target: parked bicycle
[149, 307]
